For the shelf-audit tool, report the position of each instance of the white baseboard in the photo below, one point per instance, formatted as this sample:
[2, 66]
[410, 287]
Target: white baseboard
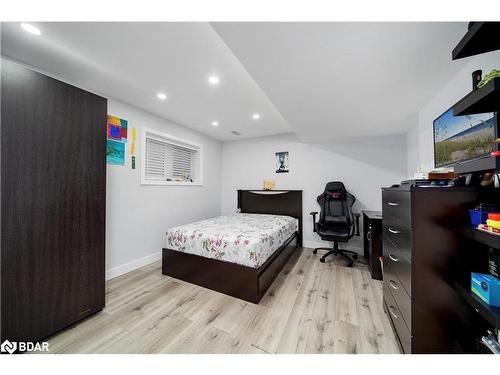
[127, 267]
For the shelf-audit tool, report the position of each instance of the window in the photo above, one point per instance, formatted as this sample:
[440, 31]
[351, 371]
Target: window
[168, 160]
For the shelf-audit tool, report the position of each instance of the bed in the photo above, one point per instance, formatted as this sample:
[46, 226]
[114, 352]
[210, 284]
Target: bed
[241, 254]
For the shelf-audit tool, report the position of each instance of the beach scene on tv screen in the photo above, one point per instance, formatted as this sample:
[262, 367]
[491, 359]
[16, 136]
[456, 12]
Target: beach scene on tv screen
[459, 138]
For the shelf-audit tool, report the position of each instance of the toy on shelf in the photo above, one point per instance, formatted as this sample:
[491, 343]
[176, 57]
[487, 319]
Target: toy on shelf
[488, 77]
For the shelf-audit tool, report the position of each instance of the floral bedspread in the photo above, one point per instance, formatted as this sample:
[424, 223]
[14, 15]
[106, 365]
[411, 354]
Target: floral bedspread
[246, 239]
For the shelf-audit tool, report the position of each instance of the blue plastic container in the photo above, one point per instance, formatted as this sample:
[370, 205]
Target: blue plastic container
[486, 287]
[478, 217]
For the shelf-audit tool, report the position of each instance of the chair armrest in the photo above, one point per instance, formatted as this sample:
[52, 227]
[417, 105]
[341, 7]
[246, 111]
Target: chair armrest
[314, 220]
[356, 218]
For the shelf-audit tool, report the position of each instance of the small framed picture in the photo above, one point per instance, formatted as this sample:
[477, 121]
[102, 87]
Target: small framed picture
[282, 162]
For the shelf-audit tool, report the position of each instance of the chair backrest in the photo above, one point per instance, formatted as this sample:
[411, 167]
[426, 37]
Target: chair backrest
[336, 201]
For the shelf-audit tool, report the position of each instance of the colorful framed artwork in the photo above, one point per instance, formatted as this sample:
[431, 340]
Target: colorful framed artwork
[117, 129]
[117, 137]
[115, 152]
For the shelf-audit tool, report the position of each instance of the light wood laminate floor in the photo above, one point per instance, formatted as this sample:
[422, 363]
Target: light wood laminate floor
[311, 307]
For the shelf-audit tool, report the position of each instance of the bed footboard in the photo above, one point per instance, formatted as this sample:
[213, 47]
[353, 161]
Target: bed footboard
[246, 283]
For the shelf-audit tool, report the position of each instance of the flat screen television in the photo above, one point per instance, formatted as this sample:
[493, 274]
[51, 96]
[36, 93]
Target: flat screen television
[462, 138]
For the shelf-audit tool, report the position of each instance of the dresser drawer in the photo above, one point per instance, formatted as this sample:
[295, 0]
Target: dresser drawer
[399, 234]
[395, 263]
[400, 297]
[398, 205]
[396, 318]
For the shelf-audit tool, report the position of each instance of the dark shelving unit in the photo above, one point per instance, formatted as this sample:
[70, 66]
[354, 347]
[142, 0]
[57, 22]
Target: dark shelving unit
[480, 38]
[490, 313]
[490, 240]
[483, 100]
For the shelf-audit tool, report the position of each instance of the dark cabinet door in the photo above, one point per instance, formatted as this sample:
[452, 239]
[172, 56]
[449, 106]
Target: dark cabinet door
[53, 203]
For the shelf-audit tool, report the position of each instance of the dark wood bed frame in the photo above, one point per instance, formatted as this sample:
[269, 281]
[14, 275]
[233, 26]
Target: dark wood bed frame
[247, 283]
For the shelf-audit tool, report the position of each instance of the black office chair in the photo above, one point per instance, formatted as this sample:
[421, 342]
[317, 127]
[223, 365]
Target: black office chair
[337, 222]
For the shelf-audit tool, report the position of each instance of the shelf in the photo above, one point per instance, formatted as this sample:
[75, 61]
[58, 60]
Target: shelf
[482, 37]
[487, 239]
[490, 313]
[483, 100]
[477, 165]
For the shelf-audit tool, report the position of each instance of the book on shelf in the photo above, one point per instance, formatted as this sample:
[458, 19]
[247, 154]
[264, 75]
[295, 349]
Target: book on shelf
[489, 229]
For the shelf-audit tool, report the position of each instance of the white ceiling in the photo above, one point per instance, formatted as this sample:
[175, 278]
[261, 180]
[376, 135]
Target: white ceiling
[319, 80]
[134, 61]
[332, 80]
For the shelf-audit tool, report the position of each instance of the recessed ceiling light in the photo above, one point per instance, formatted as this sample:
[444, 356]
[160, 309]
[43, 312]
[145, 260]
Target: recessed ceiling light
[256, 116]
[215, 123]
[31, 29]
[161, 96]
[213, 80]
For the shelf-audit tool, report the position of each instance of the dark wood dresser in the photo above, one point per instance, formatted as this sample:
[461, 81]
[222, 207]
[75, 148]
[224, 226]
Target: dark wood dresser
[423, 254]
[53, 200]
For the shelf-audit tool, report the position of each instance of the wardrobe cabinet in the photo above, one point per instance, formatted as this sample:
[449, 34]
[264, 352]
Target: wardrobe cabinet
[53, 194]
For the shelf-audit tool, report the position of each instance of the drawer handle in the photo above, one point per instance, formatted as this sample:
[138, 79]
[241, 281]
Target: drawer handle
[369, 236]
[391, 308]
[393, 204]
[394, 231]
[393, 258]
[392, 283]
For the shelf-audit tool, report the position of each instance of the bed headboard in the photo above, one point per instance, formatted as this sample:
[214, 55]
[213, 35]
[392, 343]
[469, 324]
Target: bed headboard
[276, 202]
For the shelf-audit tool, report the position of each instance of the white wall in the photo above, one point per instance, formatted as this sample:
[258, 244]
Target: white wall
[412, 147]
[364, 165]
[137, 216]
[420, 137]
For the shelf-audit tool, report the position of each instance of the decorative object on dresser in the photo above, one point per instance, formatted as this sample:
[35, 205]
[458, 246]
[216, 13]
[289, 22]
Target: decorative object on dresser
[53, 204]
[440, 175]
[269, 184]
[372, 241]
[422, 256]
[234, 279]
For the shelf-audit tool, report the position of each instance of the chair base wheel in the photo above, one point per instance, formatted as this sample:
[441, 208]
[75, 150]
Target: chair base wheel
[350, 256]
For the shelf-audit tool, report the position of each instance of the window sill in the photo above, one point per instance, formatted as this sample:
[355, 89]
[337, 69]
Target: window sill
[171, 183]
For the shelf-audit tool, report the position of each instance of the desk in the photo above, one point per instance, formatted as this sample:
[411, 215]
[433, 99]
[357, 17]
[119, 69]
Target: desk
[372, 241]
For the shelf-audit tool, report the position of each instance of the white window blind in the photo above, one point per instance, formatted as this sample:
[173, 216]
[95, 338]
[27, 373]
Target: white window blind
[166, 161]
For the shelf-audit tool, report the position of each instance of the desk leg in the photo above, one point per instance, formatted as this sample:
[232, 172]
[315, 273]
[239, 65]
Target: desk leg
[376, 250]
[366, 243]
